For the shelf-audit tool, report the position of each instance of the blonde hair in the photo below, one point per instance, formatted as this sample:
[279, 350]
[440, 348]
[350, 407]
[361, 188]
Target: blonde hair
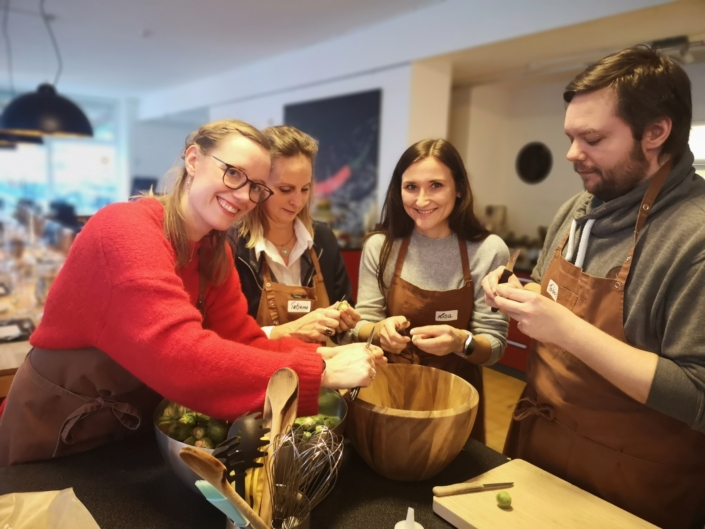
[213, 262]
[285, 141]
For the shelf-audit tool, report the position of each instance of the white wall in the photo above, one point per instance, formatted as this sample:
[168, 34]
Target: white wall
[489, 125]
[447, 26]
[394, 82]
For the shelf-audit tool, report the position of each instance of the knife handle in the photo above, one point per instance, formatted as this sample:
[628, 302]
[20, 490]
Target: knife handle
[506, 274]
[458, 488]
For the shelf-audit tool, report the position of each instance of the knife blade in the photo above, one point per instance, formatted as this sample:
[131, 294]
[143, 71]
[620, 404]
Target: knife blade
[508, 270]
[464, 488]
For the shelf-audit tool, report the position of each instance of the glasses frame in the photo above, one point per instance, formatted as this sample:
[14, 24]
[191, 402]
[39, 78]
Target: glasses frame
[247, 180]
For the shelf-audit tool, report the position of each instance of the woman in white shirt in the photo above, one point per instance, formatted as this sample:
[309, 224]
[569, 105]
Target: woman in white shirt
[291, 268]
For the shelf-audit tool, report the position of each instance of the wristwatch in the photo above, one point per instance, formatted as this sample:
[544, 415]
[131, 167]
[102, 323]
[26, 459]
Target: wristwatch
[468, 347]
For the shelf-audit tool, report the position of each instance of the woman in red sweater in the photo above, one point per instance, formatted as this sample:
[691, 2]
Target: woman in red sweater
[144, 306]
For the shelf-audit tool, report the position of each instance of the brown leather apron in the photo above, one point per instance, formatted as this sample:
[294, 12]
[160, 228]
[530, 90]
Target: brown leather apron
[430, 307]
[281, 304]
[68, 401]
[578, 426]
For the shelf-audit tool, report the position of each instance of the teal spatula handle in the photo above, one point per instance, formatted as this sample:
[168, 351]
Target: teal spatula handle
[216, 498]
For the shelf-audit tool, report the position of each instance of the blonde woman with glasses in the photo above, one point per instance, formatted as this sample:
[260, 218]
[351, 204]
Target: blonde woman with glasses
[148, 304]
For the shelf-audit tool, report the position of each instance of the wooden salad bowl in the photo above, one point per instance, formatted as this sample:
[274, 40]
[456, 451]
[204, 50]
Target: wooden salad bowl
[412, 421]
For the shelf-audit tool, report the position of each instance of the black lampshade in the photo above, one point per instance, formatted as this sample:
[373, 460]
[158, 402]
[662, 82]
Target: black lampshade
[14, 139]
[44, 112]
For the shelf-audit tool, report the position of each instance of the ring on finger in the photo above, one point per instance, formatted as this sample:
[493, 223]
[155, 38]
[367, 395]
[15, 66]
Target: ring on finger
[328, 331]
[374, 374]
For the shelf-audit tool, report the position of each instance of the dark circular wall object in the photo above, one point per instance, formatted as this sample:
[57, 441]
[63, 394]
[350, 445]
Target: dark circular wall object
[534, 162]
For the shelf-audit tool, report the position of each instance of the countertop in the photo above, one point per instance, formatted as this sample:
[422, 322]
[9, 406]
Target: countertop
[127, 484]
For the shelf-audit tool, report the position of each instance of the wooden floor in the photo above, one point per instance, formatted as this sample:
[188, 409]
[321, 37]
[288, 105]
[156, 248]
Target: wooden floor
[501, 395]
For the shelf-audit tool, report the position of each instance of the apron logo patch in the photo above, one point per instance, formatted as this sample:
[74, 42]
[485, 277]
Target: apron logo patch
[299, 305]
[552, 289]
[446, 315]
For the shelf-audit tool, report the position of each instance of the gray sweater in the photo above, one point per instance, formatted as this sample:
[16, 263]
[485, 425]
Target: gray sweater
[434, 264]
[664, 310]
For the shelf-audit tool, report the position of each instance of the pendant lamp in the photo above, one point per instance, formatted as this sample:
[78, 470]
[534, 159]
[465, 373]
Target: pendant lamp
[45, 112]
[13, 139]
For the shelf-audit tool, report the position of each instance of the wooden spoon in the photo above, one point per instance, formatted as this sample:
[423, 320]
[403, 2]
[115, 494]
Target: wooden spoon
[214, 472]
[280, 407]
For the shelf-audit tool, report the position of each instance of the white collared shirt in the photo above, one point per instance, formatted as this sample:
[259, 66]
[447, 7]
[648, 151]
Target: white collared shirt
[286, 275]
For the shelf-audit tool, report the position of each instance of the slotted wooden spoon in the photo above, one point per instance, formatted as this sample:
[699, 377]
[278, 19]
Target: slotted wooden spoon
[214, 472]
[280, 407]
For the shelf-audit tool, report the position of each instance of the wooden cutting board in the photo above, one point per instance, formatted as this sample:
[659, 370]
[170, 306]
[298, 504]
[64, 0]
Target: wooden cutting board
[539, 499]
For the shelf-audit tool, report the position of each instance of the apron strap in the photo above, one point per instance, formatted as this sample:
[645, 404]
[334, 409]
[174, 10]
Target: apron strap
[401, 256]
[650, 197]
[533, 408]
[269, 293]
[128, 416]
[466, 261]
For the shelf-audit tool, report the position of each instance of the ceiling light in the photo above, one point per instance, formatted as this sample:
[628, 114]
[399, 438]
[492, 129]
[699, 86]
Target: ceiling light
[44, 112]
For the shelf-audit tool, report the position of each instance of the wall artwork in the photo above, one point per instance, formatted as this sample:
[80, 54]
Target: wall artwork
[347, 128]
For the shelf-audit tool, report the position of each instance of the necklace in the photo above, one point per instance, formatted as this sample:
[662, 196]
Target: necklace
[283, 247]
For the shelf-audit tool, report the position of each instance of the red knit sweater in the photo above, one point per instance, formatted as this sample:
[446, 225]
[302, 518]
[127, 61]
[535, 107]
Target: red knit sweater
[119, 291]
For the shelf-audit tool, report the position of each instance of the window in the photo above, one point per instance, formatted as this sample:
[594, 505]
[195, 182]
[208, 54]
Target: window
[697, 145]
[82, 172]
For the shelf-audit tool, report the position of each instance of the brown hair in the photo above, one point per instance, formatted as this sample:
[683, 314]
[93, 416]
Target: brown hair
[396, 223]
[214, 264]
[649, 86]
[285, 141]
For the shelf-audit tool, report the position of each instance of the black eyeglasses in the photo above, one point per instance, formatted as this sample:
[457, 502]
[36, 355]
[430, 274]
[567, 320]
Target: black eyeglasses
[235, 178]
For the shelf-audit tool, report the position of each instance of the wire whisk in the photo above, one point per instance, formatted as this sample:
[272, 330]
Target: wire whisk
[304, 469]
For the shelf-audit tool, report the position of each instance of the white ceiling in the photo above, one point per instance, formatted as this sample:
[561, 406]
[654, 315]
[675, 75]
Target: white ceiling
[130, 47]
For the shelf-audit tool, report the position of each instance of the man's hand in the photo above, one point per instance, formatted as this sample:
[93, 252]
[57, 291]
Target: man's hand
[491, 281]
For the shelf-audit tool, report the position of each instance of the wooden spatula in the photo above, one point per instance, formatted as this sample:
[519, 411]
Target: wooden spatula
[214, 472]
[280, 407]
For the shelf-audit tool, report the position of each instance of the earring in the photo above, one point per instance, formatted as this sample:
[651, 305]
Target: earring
[188, 183]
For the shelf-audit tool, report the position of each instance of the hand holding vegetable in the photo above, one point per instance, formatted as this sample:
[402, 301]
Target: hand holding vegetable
[348, 316]
[314, 327]
[349, 366]
[439, 340]
[389, 338]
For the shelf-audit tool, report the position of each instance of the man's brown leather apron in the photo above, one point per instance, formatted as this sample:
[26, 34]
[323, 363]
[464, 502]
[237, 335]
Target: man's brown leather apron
[281, 304]
[425, 307]
[578, 426]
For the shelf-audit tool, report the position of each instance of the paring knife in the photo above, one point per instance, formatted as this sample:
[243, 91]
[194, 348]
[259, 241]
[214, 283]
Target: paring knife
[508, 270]
[463, 488]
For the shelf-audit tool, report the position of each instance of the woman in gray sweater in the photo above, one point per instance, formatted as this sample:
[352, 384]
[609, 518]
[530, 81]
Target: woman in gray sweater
[420, 274]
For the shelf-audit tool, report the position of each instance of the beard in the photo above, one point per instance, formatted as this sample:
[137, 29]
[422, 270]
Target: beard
[620, 179]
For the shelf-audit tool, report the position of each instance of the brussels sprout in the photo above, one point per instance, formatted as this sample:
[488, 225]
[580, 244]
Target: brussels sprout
[189, 419]
[165, 426]
[504, 500]
[179, 432]
[206, 442]
[199, 432]
[190, 440]
[343, 305]
[216, 431]
[201, 419]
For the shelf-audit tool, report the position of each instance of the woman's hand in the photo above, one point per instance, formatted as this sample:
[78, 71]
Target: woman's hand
[349, 366]
[348, 318]
[315, 326]
[389, 339]
[439, 340]
[490, 282]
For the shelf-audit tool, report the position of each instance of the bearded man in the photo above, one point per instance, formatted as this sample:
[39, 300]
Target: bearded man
[615, 395]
